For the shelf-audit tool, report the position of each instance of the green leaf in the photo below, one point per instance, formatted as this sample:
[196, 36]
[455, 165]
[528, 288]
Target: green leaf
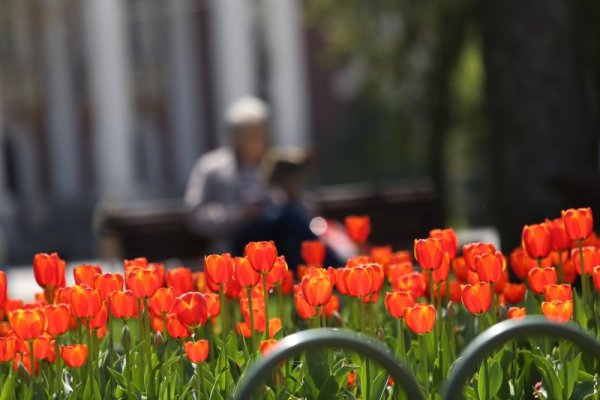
[579, 310]
[469, 393]
[317, 366]
[8, 391]
[329, 390]
[551, 383]
[378, 385]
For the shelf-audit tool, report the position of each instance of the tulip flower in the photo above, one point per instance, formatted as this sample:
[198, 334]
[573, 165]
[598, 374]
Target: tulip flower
[596, 276]
[442, 273]
[288, 282]
[123, 304]
[539, 278]
[449, 241]
[85, 274]
[414, 282]
[358, 281]
[516, 313]
[244, 274]
[191, 309]
[175, 328]
[197, 351]
[562, 292]
[180, 279]
[578, 223]
[25, 359]
[459, 266]
[591, 258]
[304, 310]
[8, 347]
[74, 355]
[44, 348]
[219, 268]
[558, 233]
[58, 319]
[382, 255]
[420, 318]
[397, 303]
[143, 282]
[163, 301]
[85, 302]
[521, 264]
[28, 323]
[358, 227]
[558, 311]
[514, 292]
[536, 240]
[313, 252]
[266, 346]
[429, 253]
[49, 270]
[213, 305]
[397, 269]
[477, 298]
[108, 283]
[262, 255]
[317, 287]
[470, 250]
[276, 275]
[3, 289]
[98, 321]
[489, 267]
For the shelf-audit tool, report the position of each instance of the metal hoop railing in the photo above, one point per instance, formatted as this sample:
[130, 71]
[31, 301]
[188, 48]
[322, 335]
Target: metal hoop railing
[323, 338]
[506, 331]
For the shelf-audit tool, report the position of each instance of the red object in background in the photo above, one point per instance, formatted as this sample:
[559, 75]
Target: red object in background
[58, 319]
[144, 282]
[267, 345]
[108, 283]
[489, 267]
[313, 253]
[562, 292]
[514, 292]
[180, 279]
[591, 258]
[470, 250]
[560, 239]
[358, 227]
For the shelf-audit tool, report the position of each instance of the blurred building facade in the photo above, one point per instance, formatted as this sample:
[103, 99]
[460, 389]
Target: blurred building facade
[118, 98]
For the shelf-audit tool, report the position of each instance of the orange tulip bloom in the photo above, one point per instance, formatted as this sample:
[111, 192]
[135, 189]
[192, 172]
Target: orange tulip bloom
[449, 240]
[397, 269]
[578, 222]
[558, 292]
[414, 282]
[560, 240]
[213, 305]
[358, 227]
[49, 270]
[25, 359]
[441, 274]
[591, 258]
[470, 250]
[461, 271]
[516, 313]
[99, 320]
[536, 240]
[144, 282]
[85, 302]
[123, 304]
[262, 255]
[58, 319]
[558, 311]
[197, 351]
[163, 300]
[3, 289]
[357, 261]
[74, 355]
[317, 287]
[596, 276]
[332, 306]
[489, 267]
[108, 283]
[244, 274]
[191, 309]
[358, 281]
[85, 274]
[288, 282]
[429, 253]
[266, 346]
[278, 273]
[569, 271]
[539, 278]
[8, 347]
[313, 253]
[397, 303]
[28, 324]
[382, 255]
[304, 310]
[43, 348]
[521, 264]
[219, 268]
[420, 318]
[175, 328]
[181, 280]
[477, 298]
[378, 276]
[514, 292]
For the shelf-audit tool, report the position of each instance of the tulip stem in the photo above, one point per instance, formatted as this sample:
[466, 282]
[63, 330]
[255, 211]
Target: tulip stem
[223, 332]
[400, 333]
[432, 300]
[423, 346]
[31, 359]
[266, 295]
[251, 312]
[199, 380]
[585, 284]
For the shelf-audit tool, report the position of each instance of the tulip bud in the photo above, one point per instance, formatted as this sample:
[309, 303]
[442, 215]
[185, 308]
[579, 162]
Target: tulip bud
[158, 340]
[126, 338]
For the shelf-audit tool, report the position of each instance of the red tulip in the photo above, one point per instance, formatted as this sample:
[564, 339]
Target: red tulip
[558, 292]
[191, 309]
[3, 289]
[477, 298]
[85, 274]
[596, 276]
[413, 282]
[313, 252]
[123, 304]
[25, 359]
[58, 319]
[276, 276]
[516, 313]
[459, 266]
[108, 283]
[420, 318]
[85, 302]
[213, 305]
[470, 250]
[442, 273]
[163, 301]
[358, 281]
[197, 351]
[100, 318]
[244, 274]
[591, 258]
[558, 233]
[489, 267]
[180, 279]
[558, 311]
[358, 227]
[305, 310]
[397, 303]
[219, 268]
[266, 346]
[429, 253]
[536, 240]
[514, 292]
[28, 324]
[449, 241]
[49, 270]
[578, 222]
[8, 347]
[175, 328]
[539, 278]
[262, 255]
[317, 287]
[74, 355]
[143, 282]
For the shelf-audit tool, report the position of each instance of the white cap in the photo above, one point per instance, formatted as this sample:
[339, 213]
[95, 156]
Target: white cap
[246, 110]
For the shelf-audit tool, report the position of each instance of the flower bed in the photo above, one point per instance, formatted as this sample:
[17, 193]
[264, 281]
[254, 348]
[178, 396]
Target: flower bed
[151, 333]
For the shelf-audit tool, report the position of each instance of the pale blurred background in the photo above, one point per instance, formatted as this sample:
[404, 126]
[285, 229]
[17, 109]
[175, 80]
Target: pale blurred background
[420, 113]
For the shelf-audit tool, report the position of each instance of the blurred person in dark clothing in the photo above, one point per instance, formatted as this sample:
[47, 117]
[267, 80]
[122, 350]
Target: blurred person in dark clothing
[232, 201]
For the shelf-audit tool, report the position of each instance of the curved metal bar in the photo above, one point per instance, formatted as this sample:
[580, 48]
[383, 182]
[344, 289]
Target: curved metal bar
[322, 338]
[507, 331]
